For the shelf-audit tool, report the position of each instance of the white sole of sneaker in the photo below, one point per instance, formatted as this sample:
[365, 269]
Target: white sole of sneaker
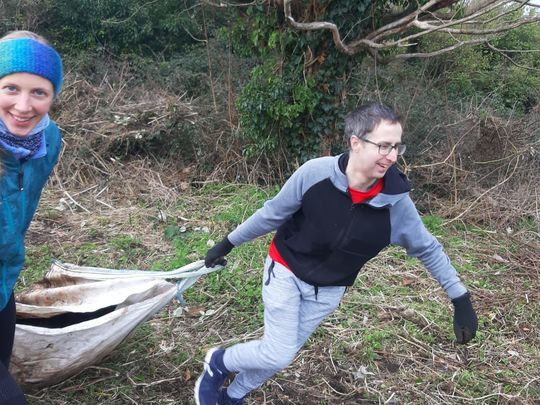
[205, 370]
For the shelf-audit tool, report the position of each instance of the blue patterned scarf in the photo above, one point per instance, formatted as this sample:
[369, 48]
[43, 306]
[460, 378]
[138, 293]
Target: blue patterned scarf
[31, 146]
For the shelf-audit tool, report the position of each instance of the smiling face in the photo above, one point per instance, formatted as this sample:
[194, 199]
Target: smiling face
[25, 98]
[366, 164]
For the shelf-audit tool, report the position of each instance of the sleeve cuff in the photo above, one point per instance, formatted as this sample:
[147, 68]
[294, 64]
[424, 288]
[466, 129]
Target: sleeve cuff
[456, 290]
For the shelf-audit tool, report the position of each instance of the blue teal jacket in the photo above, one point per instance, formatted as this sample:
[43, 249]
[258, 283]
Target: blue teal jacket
[21, 184]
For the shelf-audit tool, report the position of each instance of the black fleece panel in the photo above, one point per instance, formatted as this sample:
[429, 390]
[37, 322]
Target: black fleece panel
[329, 239]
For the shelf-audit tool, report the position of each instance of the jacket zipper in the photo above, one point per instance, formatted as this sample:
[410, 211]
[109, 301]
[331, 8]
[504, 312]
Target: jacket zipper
[352, 213]
[22, 191]
[3, 274]
[346, 231]
[21, 177]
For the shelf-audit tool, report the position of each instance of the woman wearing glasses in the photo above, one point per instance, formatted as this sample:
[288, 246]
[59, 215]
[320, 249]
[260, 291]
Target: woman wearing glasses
[331, 216]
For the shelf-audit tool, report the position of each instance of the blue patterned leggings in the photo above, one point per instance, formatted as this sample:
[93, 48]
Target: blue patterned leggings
[10, 393]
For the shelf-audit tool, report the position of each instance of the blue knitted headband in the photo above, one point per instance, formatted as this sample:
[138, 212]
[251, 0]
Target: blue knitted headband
[26, 55]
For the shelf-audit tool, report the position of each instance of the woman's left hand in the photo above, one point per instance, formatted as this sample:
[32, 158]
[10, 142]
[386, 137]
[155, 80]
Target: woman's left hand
[465, 319]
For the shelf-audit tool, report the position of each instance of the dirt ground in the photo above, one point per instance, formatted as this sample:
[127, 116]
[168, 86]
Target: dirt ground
[390, 342]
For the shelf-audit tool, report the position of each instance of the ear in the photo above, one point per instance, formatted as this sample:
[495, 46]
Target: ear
[355, 142]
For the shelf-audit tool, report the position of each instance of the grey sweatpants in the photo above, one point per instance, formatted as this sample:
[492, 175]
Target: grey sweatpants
[292, 312]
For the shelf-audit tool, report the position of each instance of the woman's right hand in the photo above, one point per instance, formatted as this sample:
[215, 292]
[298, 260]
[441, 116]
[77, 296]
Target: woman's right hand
[216, 255]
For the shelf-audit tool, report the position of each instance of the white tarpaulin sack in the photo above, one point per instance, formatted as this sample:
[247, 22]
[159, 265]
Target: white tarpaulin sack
[77, 315]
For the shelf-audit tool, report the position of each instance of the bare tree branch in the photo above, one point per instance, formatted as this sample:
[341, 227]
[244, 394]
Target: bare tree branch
[467, 29]
[317, 26]
[429, 27]
[516, 50]
[399, 25]
[224, 4]
[441, 51]
[519, 5]
[500, 51]
[476, 6]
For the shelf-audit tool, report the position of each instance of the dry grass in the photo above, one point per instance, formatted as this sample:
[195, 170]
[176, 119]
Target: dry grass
[390, 341]
[488, 171]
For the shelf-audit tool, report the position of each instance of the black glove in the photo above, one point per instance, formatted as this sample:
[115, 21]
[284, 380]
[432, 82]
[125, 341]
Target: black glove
[465, 320]
[217, 254]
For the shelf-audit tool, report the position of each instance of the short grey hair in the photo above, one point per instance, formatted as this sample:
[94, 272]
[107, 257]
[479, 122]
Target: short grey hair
[365, 118]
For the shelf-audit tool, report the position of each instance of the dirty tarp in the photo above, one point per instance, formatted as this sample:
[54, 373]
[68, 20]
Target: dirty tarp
[77, 315]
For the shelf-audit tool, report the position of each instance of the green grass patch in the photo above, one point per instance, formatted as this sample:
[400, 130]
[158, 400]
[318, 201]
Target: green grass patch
[434, 224]
[395, 320]
[237, 202]
[37, 263]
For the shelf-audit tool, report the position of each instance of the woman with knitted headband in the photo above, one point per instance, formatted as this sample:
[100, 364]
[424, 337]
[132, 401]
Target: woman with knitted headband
[30, 79]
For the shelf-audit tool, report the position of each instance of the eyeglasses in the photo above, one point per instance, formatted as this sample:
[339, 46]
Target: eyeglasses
[385, 149]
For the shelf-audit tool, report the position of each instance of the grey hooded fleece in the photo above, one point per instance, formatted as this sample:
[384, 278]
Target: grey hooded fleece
[326, 239]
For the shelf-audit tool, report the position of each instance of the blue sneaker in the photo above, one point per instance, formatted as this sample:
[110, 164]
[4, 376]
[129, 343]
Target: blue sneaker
[212, 378]
[225, 399]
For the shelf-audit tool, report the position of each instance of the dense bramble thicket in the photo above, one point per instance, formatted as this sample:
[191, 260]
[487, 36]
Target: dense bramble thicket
[166, 102]
[295, 87]
[235, 93]
[146, 28]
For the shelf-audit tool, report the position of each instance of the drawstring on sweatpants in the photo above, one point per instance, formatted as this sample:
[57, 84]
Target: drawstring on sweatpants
[270, 272]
